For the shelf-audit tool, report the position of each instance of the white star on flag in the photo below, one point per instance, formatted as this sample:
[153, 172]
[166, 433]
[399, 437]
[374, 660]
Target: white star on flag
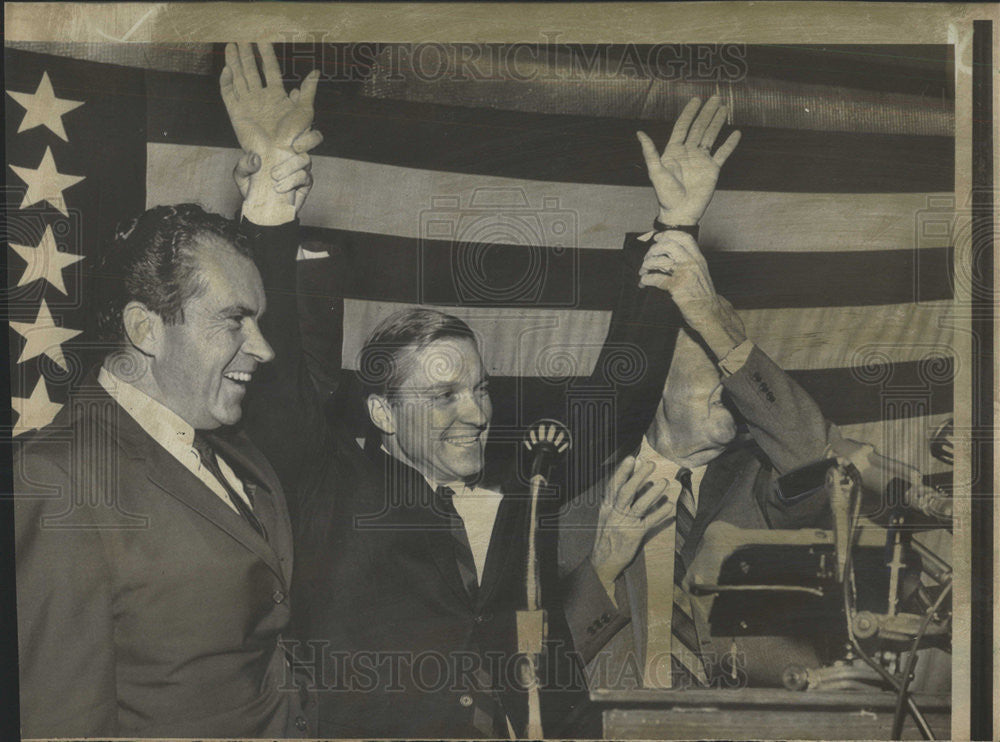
[45, 261]
[42, 108]
[45, 183]
[43, 337]
[35, 411]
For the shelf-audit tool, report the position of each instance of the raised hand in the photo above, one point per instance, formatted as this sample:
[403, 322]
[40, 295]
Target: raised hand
[264, 117]
[632, 507]
[685, 174]
[675, 263]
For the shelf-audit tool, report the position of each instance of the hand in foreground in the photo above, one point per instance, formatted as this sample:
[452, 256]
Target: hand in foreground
[625, 519]
[675, 264]
[684, 176]
[264, 117]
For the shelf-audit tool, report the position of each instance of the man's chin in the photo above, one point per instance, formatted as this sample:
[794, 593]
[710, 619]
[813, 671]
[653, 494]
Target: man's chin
[229, 417]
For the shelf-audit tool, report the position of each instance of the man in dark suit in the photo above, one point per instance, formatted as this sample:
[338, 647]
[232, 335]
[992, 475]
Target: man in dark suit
[411, 554]
[715, 475]
[153, 543]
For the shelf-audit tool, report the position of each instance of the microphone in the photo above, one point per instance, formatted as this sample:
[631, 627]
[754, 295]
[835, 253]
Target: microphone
[878, 473]
[547, 440]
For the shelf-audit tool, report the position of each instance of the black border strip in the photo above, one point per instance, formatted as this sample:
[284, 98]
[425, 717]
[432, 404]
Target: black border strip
[981, 661]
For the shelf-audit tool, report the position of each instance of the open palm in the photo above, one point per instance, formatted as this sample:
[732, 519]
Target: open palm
[685, 174]
[264, 116]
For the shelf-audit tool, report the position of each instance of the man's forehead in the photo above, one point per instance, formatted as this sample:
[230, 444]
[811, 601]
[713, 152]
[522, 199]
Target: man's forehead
[441, 362]
[231, 274]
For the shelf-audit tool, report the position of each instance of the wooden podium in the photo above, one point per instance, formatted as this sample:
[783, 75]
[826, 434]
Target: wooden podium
[761, 713]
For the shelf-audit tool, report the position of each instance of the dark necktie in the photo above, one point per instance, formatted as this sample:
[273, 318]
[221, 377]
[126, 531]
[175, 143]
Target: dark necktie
[210, 461]
[685, 658]
[463, 551]
[488, 715]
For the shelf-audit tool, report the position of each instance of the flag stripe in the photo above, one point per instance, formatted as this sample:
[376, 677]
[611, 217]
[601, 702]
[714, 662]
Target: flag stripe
[496, 275]
[600, 88]
[843, 399]
[736, 221]
[536, 341]
[185, 109]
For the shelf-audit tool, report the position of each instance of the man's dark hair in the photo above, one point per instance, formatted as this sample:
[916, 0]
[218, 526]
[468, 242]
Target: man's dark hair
[151, 259]
[383, 362]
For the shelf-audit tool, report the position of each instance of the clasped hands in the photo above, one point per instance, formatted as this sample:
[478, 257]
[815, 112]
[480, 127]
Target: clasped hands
[272, 126]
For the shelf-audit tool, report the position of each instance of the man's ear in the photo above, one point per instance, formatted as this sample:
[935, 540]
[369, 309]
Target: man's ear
[380, 413]
[143, 328]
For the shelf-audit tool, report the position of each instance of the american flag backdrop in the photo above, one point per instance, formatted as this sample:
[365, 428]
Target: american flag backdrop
[503, 197]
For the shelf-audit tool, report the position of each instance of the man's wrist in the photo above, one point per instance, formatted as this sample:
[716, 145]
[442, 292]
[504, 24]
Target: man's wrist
[264, 206]
[678, 218]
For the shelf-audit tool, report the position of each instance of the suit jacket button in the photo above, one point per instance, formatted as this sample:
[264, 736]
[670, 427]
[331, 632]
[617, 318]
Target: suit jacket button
[278, 596]
[301, 724]
[465, 700]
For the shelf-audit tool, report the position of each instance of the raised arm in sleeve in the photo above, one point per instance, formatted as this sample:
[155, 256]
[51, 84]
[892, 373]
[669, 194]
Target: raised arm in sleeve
[788, 426]
[282, 413]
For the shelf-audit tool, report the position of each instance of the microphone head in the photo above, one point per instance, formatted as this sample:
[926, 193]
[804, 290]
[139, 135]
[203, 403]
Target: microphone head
[548, 436]
[942, 443]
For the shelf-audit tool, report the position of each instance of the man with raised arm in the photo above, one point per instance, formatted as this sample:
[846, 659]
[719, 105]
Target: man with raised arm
[410, 562]
[152, 540]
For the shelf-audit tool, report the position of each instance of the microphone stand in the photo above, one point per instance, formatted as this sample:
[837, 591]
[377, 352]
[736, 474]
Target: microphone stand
[546, 440]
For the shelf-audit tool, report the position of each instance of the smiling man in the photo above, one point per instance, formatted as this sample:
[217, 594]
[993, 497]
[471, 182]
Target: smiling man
[153, 544]
[411, 554]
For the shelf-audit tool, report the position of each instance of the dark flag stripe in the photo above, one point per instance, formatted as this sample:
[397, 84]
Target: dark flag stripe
[496, 275]
[186, 109]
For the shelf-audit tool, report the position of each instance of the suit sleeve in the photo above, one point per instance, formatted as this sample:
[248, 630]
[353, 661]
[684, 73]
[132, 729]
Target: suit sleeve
[591, 616]
[609, 410]
[66, 649]
[788, 426]
[282, 413]
[627, 383]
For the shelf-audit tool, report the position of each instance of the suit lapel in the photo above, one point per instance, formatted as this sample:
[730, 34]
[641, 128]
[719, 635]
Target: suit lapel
[441, 548]
[263, 490]
[403, 484]
[171, 476]
[716, 489]
[499, 557]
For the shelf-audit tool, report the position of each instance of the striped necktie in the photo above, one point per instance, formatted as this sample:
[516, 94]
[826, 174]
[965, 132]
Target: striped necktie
[206, 452]
[686, 666]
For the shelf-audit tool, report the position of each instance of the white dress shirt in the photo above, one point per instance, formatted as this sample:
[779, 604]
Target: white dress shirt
[172, 433]
[477, 507]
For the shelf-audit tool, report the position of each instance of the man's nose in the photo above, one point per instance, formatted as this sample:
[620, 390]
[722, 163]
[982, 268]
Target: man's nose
[475, 410]
[256, 345]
